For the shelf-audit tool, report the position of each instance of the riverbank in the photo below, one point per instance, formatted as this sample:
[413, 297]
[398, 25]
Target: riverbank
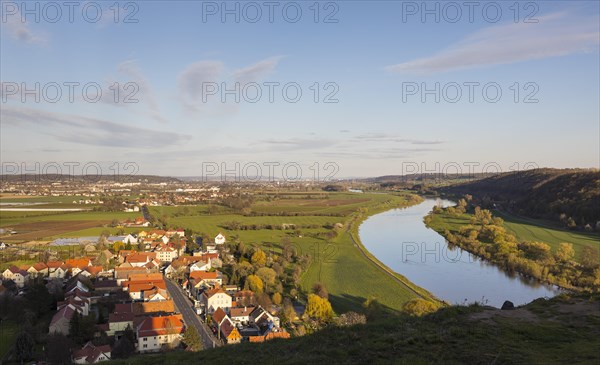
[490, 241]
[349, 274]
[353, 232]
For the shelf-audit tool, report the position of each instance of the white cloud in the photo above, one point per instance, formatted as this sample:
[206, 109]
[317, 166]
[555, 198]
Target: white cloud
[89, 131]
[257, 71]
[196, 76]
[557, 34]
[20, 30]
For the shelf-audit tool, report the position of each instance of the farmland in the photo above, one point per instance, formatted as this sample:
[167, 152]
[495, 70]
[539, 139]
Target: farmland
[303, 219]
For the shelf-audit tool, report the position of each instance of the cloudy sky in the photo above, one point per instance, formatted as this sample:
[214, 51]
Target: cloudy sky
[367, 87]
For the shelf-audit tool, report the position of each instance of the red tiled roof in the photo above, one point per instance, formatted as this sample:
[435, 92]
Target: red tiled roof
[157, 326]
[219, 315]
[203, 275]
[78, 263]
[240, 312]
[120, 317]
[91, 353]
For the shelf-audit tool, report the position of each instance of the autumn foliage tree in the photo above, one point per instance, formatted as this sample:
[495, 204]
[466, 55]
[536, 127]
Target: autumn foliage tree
[319, 308]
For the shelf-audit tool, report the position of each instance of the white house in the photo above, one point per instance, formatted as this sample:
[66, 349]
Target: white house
[155, 332]
[200, 266]
[219, 239]
[214, 299]
[165, 253]
[17, 275]
[90, 354]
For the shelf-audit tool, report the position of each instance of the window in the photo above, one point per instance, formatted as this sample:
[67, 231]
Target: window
[145, 339]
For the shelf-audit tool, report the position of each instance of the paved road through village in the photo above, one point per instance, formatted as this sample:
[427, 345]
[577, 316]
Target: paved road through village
[184, 306]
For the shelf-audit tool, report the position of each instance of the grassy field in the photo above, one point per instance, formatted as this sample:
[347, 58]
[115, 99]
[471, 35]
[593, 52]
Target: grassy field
[524, 230]
[350, 277]
[535, 230]
[561, 330]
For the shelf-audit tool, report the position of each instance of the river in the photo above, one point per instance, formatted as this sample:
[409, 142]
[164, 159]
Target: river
[400, 239]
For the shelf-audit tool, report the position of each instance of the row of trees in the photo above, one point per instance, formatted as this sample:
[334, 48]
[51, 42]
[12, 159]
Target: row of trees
[486, 237]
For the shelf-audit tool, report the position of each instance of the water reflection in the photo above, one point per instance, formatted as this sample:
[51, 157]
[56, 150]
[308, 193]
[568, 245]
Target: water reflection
[400, 239]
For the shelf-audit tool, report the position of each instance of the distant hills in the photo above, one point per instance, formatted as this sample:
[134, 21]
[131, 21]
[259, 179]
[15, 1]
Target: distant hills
[569, 196]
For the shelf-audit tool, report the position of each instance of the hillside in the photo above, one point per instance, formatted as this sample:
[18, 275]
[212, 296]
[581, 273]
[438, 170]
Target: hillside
[557, 331]
[570, 197]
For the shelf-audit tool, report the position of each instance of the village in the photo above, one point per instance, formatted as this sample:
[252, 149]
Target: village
[143, 293]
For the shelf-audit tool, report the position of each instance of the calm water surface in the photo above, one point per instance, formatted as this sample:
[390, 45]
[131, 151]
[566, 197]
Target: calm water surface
[400, 239]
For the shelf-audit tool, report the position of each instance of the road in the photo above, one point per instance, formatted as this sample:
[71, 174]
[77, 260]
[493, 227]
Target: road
[184, 306]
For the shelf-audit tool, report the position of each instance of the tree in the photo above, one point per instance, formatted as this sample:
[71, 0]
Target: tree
[565, 252]
[259, 258]
[264, 300]
[276, 299]
[319, 308]
[267, 275]
[24, 347]
[537, 251]
[320, 290]
[123, 348]
[373, 308]
[192, 339]
[118, 246]
[57, 349]
[255, 284]
[418, 307]
[39, 299]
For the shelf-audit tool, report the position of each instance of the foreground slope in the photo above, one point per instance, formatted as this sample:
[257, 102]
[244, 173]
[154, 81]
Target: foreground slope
[562, 330]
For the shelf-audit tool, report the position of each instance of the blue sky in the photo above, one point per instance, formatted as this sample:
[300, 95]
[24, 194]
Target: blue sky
[370, 58]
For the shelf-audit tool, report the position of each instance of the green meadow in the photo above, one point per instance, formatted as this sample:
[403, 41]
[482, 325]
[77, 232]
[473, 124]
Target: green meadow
[525, 230]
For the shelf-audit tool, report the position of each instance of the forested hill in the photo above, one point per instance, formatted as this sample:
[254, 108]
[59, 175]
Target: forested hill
[570, 196]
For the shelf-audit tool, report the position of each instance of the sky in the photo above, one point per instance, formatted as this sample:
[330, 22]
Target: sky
[298, 89]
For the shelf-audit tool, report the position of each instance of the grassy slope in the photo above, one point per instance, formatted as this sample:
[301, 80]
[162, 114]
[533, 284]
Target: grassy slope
[558, 331]
[525, 230]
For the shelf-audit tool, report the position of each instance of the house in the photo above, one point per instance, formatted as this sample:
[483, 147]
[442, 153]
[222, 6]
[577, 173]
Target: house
[262, 317]
[240, 315]
[157, 307]
[166, 253]
[90, 354]
[225, 327]
[244, 298]
[92, 271]
[200, 266]
[219, 239]
[138, 259]
[200, 280]
[61, 321]
[119, 321]
[17, 275]
[122, 273]
[39, 269]
[155, 332]
[130, 239]
[215, 298]
[78, 263]
[57, 269]
[229, 333]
